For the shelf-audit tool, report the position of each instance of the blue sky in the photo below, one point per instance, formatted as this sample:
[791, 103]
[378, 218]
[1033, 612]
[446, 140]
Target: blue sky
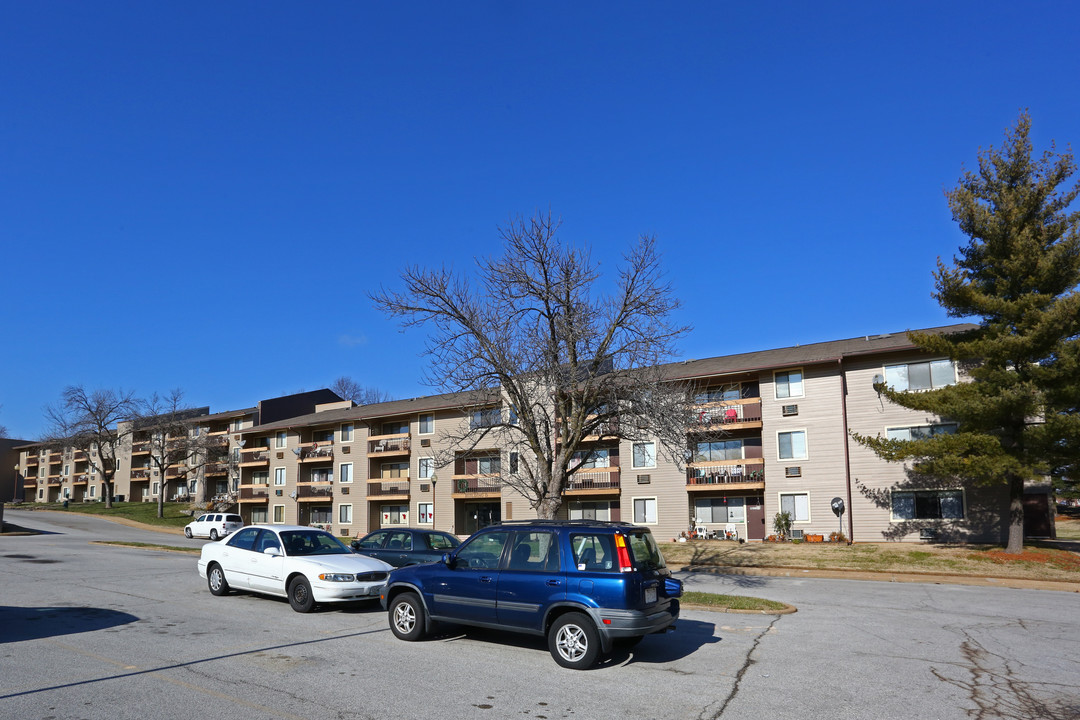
[200, 195]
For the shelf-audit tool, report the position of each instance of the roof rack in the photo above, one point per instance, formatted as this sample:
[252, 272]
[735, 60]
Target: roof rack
[583, 523]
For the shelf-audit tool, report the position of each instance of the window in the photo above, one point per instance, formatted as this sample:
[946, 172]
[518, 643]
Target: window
[488, 465]
[345, 514]
[644, 455]
[920, 376]
[237, 424]
[482, 552]
[322, 475]
[928, 505]
[426, 468]
[280, 439]
[395, 470]
[591, 458]
[157, 487]
[395, 514]
[346, 472]
[534, 551]
[395, 427]
[789, 384]
[718, 450]
[279, 514]
[262, 477]
[322, 515]
[797, 505]
[279, 476]
[920, 432]
[719, 394]
[488, 417]
[346, 432]
[720, 510]
[193, 485]
[426, 513]
[590, 511]
[258, 515]
[645, 511]
[594, 553]
[427, 424]
[93, 490]
[792, 445]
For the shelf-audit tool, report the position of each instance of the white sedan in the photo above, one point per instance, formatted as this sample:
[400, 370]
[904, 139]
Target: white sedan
[306, 565]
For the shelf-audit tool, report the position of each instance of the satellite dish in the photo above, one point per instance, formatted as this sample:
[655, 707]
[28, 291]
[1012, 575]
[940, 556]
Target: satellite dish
[296, 452]
[292, 495]
[241, 443]
[838, 506]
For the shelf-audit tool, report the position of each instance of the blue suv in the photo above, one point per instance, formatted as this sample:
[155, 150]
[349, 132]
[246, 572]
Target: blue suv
[588, 586]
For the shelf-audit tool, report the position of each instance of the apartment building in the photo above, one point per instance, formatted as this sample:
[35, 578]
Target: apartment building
[772, 433]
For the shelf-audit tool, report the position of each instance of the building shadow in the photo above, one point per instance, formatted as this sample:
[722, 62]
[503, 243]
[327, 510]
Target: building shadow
[34, 623]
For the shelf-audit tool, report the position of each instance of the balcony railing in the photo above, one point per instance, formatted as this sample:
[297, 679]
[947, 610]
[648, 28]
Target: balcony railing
[387, 487]
[216, 469]
[140, 448]
[729, 414]
[258, 492]
[253, 456]
[389, 444]
[314, 491]
[316, 451]
[585, 480]
[720, 474]
[140, 474]
[478, 484]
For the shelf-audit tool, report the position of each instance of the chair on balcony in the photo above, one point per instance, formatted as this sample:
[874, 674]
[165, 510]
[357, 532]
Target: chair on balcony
[731, 415]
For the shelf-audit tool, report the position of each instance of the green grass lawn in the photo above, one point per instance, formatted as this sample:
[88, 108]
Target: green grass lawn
[137, 511]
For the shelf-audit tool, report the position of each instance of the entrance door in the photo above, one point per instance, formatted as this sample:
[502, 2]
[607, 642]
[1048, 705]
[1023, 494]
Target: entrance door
[755, 518]
[480, 515]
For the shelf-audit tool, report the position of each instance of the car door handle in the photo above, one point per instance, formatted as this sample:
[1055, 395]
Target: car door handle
[554, 583]
[485, 578]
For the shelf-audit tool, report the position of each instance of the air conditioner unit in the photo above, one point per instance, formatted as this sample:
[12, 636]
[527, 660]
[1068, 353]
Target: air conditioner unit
[795, 471]
[344, 491]
[644, 479]
[345, 449]
[280, 455]
[796, 534]
[425, 442]
[277, 493]
[789, 410]
[928, 534]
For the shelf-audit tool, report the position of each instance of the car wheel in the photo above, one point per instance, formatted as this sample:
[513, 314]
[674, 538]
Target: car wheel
[187, 532]
[574, 642]
[215, 579]
[407, 617]
[213, 534]
[300, 595]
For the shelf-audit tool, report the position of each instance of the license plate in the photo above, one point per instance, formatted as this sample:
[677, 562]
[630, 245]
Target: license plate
[650, 595]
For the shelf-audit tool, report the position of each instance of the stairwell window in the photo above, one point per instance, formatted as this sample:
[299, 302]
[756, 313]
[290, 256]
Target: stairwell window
[928, 375]
[645, 455]
[279, 476]
[427, 424]
[645, 511]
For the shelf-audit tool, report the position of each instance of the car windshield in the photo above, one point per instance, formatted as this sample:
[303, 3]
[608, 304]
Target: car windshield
[646, 554]
[312, 542]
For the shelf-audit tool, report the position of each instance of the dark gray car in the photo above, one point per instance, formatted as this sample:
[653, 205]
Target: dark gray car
[406, 546]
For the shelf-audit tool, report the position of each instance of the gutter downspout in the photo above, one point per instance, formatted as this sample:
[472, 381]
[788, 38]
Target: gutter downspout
[847, 451]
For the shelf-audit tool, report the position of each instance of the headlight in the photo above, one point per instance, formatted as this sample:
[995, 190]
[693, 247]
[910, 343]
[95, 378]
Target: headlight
[337, 577]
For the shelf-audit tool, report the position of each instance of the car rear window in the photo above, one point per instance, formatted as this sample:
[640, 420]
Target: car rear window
[234, 518]
[645, 553]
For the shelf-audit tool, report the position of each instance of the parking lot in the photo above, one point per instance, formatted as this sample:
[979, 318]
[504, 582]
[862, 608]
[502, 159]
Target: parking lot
[92, 631]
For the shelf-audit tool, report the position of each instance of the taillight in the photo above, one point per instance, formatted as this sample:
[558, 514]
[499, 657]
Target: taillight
[623, 553]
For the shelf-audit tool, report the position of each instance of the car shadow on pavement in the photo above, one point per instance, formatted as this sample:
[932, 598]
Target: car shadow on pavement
[685, 640]
[34, 623]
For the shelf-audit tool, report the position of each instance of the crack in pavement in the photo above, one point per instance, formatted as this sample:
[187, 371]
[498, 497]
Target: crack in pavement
[747, 662]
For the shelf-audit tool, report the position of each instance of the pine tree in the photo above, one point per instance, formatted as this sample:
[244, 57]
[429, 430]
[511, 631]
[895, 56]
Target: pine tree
[1017, 419]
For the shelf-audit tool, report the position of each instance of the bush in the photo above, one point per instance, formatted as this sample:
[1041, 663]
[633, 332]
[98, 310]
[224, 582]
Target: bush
[782, 524]
[837, 537]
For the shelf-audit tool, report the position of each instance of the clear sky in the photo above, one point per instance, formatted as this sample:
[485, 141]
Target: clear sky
[200, 195]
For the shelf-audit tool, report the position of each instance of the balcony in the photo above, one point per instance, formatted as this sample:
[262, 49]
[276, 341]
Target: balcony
[80, 480]
[388, 489]
[477, 486]
[745, 474]
[29, 482]
[593, 482]
[255, 457]
[313, 493]
[140, 448]
[322, 451]
[254, 493]
[79, 456]
[140, 474]
[388, 445]
[175, 471]
[729, 415]
[32, 461]
[220, 468]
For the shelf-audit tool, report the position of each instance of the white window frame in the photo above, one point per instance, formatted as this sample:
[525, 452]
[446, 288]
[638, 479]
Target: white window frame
[806, 444]
[655, 509]
[420, 424]
[429, 513]
[93, 490]
[278, 509]
[281, 478]
[802, 384]
[345, 476]
[575, 511]
[907, 380]
[345, 515]
[804, 493]
[963, 504]
[281, 439]
[421, 463]
[402, 521]
[156, 488]
[650, 455]
[347, 430]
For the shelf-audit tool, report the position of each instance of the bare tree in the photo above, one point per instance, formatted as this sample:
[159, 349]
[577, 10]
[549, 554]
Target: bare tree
[349, 389]
[564, 364]
[97, 423]
[178, 449]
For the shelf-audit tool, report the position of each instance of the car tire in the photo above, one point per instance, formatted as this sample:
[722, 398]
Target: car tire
[215, 580]
[574, 642]
[300, 596]
[187, 533]
[407, 620]
[213, 534]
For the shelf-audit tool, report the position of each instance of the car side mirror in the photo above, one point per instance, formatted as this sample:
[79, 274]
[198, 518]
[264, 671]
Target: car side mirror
[355, 545]
[272, 550]
[448, 560]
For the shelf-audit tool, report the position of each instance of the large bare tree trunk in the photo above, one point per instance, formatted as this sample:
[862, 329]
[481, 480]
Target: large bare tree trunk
[1015, 545]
